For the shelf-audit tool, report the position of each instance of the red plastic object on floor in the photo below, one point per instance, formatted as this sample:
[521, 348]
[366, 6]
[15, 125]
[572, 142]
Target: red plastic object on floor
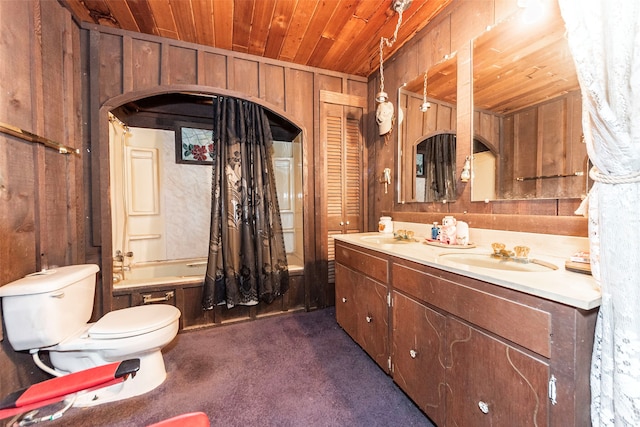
[56, 389]
[193, 419]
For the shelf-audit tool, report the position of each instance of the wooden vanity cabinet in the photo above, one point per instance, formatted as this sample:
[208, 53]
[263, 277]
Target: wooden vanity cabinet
[362, 308]
[491, 383]
[417, 354]
[469, 352]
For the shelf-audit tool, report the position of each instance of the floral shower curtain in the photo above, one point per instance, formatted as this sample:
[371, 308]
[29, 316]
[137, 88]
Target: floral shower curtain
[247, 258]
[604, 37]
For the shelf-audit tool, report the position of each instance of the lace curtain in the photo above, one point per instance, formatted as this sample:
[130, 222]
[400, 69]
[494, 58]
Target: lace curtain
[604, 37]
[247, 257]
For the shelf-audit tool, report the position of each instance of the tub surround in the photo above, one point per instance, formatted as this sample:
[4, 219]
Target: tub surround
[566, 287]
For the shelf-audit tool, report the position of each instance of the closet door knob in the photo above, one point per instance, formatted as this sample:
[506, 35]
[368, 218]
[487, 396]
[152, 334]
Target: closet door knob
[347, 222]
[344, 299]
[413, 353]
[484, 407]
[341, 223]
[369, 319]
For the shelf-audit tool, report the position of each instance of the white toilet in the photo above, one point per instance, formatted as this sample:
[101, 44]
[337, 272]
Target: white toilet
[49, 310]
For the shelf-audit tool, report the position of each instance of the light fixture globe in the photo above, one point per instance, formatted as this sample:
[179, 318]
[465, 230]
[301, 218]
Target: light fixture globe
[465, 175]
[424, 107]
[382, 97]
[401, 5]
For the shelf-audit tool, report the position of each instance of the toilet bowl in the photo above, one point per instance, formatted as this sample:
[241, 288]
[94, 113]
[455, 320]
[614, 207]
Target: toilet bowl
[131, 333]
[49, 310]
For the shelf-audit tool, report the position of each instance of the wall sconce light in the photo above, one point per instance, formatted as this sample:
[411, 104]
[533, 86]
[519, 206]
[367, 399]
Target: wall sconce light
[425, 105]
[399, 6]
[386, 178]
[465, 175]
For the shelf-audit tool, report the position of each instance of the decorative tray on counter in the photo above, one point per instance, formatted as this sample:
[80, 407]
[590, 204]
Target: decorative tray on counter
[446, 245]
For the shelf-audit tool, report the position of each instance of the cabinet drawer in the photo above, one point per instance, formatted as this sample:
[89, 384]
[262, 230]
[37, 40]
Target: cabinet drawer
[372, 266]
[519, 323]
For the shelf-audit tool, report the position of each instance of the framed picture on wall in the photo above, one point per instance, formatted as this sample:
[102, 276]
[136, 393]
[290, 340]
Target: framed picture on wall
[419, 164]
[194, 143]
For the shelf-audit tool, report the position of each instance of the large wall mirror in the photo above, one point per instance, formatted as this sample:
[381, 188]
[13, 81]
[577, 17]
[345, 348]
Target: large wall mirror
[427, 137]
[527, 113]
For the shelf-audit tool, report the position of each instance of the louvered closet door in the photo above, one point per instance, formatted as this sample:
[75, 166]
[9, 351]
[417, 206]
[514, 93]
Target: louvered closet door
[343, 162]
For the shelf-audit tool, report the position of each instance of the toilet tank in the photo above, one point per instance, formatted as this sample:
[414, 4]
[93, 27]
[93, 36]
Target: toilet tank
[43, 308]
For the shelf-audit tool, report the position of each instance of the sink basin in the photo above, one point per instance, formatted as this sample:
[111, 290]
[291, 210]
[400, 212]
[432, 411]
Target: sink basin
[385, 240]
[487, 261]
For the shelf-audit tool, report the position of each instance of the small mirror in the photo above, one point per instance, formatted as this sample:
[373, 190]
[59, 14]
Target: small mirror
[527, 113]
[426, 139]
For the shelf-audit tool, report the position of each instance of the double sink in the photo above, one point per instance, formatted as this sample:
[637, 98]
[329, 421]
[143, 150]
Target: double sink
[473, 259]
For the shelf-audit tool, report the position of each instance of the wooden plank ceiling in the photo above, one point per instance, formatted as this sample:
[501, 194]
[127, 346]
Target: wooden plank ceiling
[338, 35]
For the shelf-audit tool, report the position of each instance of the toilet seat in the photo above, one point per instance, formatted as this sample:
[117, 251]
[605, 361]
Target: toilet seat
[133, 321]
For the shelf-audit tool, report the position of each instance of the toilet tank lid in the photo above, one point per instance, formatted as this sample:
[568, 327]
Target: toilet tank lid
[48, 280]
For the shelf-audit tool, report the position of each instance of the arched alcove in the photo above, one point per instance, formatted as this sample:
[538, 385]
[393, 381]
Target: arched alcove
[163, 108]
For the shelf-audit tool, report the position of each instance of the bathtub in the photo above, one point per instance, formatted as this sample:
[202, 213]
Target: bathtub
[190, 270]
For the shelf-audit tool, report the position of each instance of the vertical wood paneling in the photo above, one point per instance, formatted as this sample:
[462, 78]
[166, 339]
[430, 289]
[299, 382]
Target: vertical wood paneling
[329, 83]
[215, 70]
[246, 77]
[145, 65]
[17, 216]
[39, 87]
[357, 88]
[272, 90]
[183, 65]
[552, 130]
[110, 74]
[300, 102]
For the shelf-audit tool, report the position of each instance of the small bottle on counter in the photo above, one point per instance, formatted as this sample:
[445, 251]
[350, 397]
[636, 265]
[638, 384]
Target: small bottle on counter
[435, 231]
[385, 225]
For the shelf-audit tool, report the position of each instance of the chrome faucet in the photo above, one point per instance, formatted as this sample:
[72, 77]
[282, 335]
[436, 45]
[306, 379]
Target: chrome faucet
[120, 258]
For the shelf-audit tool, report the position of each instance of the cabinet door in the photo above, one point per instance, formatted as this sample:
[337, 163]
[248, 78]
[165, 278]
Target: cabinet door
[373, 320]
[418, 354]
[491, 383]
[363, 312]
[346, 311]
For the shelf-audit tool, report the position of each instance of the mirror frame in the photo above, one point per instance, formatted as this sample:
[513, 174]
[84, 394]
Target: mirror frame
[442, 93]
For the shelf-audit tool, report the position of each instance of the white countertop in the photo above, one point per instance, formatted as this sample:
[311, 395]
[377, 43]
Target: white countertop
[566, 287]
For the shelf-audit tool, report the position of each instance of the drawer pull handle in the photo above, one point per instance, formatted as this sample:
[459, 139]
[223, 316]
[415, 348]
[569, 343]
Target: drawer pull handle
[413, 353]
[484, 407]
[344, 299]
[369, 319]
[148, 298]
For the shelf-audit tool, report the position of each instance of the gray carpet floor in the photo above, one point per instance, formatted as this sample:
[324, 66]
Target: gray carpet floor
[298, 369]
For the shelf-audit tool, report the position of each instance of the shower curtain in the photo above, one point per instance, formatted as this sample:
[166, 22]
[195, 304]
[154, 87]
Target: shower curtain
[440, 167]
[247, 258]
[604, 38]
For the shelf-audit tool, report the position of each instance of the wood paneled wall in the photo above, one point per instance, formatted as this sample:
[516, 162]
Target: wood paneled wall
[41, 190]
[59, 80]
[123, 66]
[451, 31]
